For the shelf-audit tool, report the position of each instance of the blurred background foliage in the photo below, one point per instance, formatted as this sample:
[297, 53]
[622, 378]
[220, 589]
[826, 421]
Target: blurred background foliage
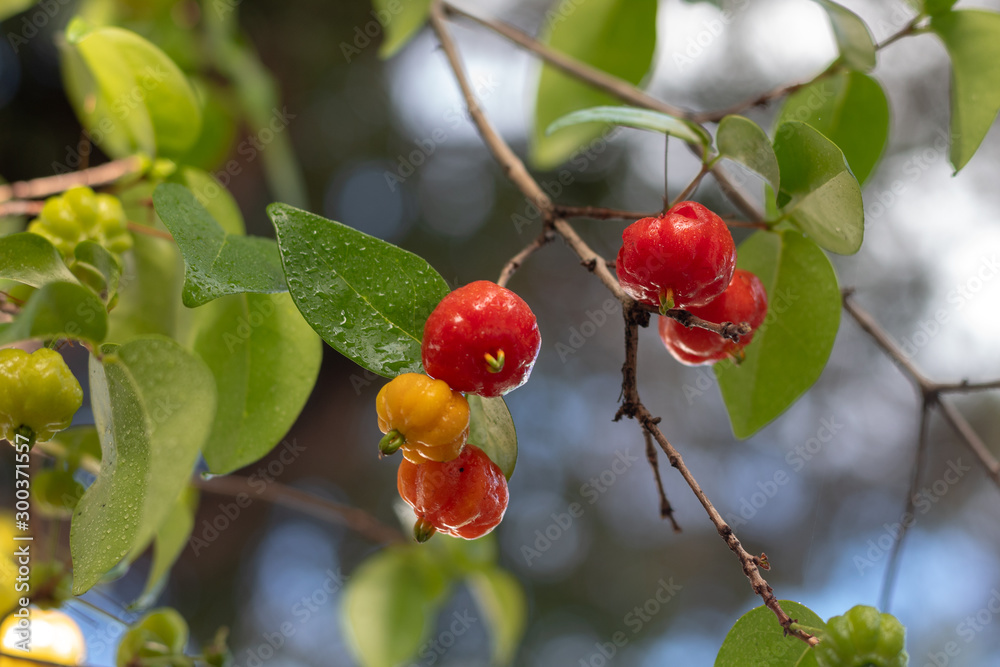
[357, 128]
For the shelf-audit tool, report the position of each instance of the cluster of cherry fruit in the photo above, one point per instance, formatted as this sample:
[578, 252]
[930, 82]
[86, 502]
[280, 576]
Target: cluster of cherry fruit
[686, 259]
[483, 339]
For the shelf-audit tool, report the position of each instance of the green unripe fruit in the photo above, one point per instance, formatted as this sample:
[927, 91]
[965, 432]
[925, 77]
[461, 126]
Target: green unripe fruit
[863, 637]
[159, 637]
[38, 394]
[81, 215]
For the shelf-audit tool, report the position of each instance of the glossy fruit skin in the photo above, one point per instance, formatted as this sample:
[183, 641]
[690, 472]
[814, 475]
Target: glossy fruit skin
[81, 215]
[863, 637]
[683, 258]
[466, 497]
[432, 419]
[476, 320]
[161, 634]
[55, 638]
[37, 391]
[745, 300]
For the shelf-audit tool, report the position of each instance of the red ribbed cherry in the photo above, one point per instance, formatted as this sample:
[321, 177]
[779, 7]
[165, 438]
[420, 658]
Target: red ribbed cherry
[481, 339]
[683, 258]
[465, 497]
[745, 300]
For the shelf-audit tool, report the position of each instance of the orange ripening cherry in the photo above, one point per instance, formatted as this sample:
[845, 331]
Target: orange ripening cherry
[683, 258]
[465, 497]
[745, 300]
[481, 339]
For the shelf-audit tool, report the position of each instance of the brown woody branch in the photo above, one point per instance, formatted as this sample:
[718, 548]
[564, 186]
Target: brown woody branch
[620, 88]
[930, 391]
[599, 213]
[634, 315]
[515, 262]
[104, 174]
[275, 492]
[666, 509]
[633, 407]
[20, 207]
[920, 460]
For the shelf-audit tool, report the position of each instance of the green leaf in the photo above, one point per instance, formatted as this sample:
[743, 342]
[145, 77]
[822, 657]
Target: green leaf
[818, 192]
[459, 557]
[932, 7]
[642, 119]
[78, 441]
[401, 19]
[742, 140]
[390, 603]
[59, 310]
[616, 36]
[972, 38]
[758, 639]
[851, 110]
[501, 600]
[30, 259]
[153, 406]
[491, 428]
[216, 263]
[857, 48]
[219, 120]
[214, 197]
[100, 265]
[168, 544]
[9, 8]
[791, 348]
[265, 359]
[150, 291]
[128, 94]
[367, 298]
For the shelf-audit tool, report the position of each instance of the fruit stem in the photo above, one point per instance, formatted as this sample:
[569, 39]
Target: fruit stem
[666, 301]
[495, 363]
[24, 434]
[390, 443]
[423, 530]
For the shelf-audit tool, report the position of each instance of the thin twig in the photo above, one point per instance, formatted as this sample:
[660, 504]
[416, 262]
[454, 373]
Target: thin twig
[966, 387]
[277, 493]
[633, 407]
[666, 509]
[909, 29]
[515, 262]
[274, 492]
[884, 341]
[745, 224]
[613, 85]
[139, 228]
[928, 389]
[598, 213]
[620, 88]
[728, 330]
[782, 91]
[763, 99]
[21, 207]
[37, 188]
[634, 315]
[976, 444]
[691, 187]
[920, 460]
